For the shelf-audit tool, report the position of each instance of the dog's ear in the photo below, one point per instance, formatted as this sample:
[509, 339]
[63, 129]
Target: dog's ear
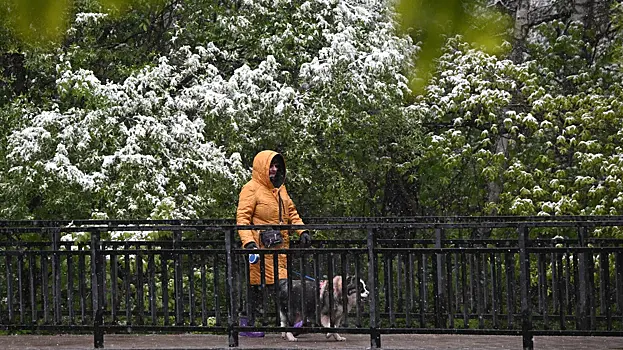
[350, 280]
[337, 287]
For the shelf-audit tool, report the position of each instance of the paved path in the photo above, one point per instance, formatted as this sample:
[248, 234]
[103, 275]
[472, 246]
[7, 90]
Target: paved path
[307, 341]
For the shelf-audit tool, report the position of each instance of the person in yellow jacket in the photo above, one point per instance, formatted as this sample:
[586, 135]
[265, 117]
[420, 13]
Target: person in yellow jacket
[258, 204]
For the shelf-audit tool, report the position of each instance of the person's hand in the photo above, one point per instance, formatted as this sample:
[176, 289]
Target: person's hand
[251, 245]
[305, 239]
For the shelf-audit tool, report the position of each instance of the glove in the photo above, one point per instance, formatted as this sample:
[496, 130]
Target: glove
[305, 239]
[250, 245]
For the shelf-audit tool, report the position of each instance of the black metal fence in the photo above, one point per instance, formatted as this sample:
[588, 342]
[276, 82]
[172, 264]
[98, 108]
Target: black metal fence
[522, 276]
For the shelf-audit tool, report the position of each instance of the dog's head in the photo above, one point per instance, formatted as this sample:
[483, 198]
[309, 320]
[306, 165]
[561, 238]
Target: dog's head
[353, 287]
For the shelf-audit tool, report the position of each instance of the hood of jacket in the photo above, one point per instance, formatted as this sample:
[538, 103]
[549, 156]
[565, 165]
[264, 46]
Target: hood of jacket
[261, 168]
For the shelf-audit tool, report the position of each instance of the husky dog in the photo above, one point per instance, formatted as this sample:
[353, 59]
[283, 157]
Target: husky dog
[328, 317]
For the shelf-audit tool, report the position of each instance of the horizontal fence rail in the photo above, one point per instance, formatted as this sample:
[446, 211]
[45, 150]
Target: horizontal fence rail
[521, 276]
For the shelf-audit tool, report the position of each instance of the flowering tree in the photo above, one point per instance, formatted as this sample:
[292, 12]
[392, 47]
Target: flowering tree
[536, 138]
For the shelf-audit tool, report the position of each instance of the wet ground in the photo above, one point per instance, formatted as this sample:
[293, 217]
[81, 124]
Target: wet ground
[307, 341]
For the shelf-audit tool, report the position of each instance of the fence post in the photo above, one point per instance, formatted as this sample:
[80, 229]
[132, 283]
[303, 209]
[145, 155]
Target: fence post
[524, 281]
[97, 279]
[375, 336]
[440, 286]
[232, 317]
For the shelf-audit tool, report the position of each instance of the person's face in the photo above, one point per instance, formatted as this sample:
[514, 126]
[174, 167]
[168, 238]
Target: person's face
[272, 171]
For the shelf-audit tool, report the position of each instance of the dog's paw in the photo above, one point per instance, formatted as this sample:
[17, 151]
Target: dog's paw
[335, 336]
[291, 337]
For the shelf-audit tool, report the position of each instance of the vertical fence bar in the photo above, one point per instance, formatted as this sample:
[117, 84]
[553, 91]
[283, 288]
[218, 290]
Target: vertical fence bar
[605, 287]
[151, 267]
[389, 288]
[82, 277]
[56, 271]
[191, 290]
[423, 288]
[358, 277]
[472, 280]
[97, 289]
[509, 264]
[9, 286]
[330, 275]
[561, 300]
[217, 294]
[456, 282]
[45, 287]
[126, 281]
[114, 285]
[494, 290]
[165, 289]
[275, 287]
[289, 266]
[178, 280]
[344, 273]
[450, 290]
[316, 262]
[555, 278]
[500, 294]
[440, 296]
[20, 285]
[303, 270]
[204, 291]
[410, 289]
[94, 291]
[576, 290]
[399, 283]
[70, 287]
[479, 288]
[618, 263]
[33, 288]
[375, 336]
[464, 290]
[592, 308]
[232, 317]
[524, 280]
[583, 312]
[568, 271]
[140, 289]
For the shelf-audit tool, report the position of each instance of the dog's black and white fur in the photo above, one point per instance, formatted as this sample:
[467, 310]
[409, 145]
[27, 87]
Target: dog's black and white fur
[328, 317]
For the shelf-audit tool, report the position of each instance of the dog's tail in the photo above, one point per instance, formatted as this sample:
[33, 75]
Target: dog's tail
[337, 287]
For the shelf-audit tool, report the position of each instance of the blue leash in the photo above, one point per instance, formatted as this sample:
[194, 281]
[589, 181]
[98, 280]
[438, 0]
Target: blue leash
[306, 277]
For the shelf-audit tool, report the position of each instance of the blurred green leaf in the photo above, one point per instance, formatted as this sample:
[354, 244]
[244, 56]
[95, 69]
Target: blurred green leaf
[41, 22]
[36, 21]
[431, 22]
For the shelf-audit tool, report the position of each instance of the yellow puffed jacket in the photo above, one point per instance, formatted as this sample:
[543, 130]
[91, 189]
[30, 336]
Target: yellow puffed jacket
[259, 205]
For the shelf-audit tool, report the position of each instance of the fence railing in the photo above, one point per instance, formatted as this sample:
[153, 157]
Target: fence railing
[522, 276]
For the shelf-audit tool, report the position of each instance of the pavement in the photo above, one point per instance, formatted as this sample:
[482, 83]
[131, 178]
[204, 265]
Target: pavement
[306, 341]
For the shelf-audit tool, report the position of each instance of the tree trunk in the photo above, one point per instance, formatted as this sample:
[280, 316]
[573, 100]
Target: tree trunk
[495, 187]
[583, 12]
[520, 31]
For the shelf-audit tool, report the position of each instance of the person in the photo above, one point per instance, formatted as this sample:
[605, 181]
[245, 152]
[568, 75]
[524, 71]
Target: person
[259, 204]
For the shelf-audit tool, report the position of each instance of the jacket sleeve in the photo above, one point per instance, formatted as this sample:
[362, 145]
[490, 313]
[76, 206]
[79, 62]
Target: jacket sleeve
[293, 214]
[244, 214]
